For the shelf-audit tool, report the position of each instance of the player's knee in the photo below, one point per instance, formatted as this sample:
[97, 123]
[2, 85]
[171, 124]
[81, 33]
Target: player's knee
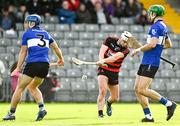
[32, 90]
[136, 89]
[139, 90]
[142, 91]
[19, 89]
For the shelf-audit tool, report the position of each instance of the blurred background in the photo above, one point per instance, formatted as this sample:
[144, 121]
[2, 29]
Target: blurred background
[79, 27]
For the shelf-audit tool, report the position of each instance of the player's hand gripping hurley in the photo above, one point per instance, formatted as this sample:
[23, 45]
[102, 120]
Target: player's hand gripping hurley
[58, 63]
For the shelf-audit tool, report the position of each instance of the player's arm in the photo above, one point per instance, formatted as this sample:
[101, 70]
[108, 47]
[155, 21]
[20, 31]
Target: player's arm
[58, 52]
[102, 51]
[21, 58]
[113, 58]
[150, 45]
[146, 47]
[167, 43]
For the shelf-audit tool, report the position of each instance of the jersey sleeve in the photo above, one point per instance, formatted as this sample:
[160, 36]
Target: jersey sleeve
[126, 52]
[24, 39]
[107, 41]
[51, 40]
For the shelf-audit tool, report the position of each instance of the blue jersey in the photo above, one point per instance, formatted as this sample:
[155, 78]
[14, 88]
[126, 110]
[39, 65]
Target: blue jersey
[37, 41]
[152, 57]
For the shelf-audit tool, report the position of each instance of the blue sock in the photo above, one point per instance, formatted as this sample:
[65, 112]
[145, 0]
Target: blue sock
[146, 111]
[163, 101]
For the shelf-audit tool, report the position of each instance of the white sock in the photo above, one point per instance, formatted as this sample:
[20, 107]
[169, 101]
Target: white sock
[148, 116]
[12, 114]
[41, 109]
[169, 103]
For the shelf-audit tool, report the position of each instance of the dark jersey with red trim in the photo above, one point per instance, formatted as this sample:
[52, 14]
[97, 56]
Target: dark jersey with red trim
[113, 47]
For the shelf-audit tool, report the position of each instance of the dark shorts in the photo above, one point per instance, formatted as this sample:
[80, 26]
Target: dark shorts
[147, 71]
[39, 69]
[112, 76]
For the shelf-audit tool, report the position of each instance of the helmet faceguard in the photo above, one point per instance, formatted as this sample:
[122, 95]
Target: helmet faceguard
[126, 35]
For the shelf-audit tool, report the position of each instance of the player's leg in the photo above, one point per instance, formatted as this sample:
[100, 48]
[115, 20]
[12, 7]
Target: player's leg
[146, 74]
[143, 89]
[114, 97]
[23, 81]
[39, 77]
[102, 82]
[36, 93]
[143, 101]
[33, 89]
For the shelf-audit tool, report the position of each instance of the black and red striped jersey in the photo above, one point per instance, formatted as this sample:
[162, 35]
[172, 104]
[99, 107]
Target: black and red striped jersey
[113, 47]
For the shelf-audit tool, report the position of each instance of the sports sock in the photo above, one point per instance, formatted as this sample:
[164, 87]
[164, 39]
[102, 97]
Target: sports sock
[100, 112]
[41, 106]
[147, 113]
[108, 103]
[165, 102]
[12, 110]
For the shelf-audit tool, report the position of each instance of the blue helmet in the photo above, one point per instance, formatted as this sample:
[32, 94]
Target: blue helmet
[34, 18]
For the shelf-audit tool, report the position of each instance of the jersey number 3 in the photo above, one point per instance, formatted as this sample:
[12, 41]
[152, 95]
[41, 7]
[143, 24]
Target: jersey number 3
[42, 40]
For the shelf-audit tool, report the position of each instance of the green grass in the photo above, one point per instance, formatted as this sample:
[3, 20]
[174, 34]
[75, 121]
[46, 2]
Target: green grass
[79, 114]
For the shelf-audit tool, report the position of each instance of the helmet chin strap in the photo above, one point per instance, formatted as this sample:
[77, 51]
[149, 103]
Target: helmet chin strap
[153, 19]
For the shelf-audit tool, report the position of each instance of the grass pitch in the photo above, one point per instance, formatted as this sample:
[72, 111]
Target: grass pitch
[85, 114]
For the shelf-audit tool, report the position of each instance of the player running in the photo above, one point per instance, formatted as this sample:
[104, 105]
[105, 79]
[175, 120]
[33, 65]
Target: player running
[35, 45]
[156, 41]
[112, 52]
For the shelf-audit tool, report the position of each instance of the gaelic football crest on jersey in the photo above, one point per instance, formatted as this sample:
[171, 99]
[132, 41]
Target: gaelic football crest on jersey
[154, 31]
